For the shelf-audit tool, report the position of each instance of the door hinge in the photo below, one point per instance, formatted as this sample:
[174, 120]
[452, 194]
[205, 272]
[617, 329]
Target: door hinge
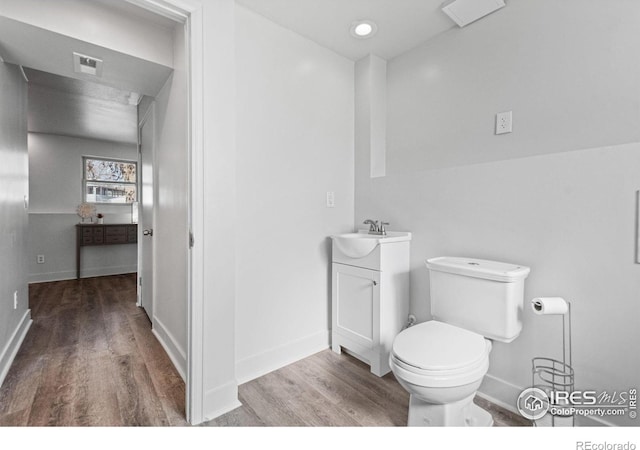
[140, 281]
[191, 240]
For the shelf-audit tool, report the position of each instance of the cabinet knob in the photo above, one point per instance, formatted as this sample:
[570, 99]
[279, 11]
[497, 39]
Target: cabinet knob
[375, 283]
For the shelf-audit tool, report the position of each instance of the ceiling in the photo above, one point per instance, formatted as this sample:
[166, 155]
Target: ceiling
[47, 51]
[81, 87]
[402, 24]
[78, 108]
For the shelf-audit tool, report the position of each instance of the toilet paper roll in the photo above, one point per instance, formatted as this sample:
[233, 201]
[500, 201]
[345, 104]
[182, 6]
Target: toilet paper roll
[549, 305]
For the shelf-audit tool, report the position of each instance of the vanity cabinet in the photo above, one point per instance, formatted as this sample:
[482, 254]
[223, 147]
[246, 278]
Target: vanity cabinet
[370, 302]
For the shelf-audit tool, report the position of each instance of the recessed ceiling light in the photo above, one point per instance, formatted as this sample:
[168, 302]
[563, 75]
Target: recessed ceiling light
[363, 29]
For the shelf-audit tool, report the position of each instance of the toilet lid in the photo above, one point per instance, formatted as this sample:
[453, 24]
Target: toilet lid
[436, 345]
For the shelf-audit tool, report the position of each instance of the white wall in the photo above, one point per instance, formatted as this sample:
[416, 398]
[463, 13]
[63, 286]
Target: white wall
[295, 122]
[558, 194]
[55, 186]
[171, 229]
[14, 187]
[566, 69]
[215, 224]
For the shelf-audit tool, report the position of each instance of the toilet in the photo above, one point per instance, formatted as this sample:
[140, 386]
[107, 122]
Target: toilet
[442, 362]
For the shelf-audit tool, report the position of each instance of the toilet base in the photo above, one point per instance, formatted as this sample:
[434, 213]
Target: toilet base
[463, 413]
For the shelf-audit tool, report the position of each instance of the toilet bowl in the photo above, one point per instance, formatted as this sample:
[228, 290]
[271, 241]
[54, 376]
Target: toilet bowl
[441, 366]
[441, 362]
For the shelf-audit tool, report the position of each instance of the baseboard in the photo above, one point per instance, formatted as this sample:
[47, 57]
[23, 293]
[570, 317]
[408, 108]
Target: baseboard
[177, 356]
[500, 392]
[220, 401]
[86, 273]
[504, 394]
[255, 366]
[10, 350]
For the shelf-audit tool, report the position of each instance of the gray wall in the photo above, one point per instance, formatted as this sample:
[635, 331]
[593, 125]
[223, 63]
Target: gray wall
[14, 187]
[558, 194]
[55, 185]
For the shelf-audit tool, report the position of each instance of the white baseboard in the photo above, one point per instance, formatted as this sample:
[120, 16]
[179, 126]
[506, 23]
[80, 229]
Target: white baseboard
[504, 394]
[255, 366]
[176, 354]
[220, 401]
[85, 273]
[500, 392]
[10, 350]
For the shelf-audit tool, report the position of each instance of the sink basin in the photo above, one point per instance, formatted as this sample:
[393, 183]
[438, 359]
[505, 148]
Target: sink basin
[360, 244]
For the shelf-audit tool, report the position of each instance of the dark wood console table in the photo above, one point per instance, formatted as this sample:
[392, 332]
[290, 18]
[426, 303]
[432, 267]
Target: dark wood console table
[103, 234]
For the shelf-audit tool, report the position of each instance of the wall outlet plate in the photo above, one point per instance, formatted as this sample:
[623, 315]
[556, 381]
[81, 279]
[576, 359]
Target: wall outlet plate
[40, 259]
[504, 122]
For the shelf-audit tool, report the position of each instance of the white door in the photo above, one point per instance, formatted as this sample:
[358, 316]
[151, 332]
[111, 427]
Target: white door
[147, 197]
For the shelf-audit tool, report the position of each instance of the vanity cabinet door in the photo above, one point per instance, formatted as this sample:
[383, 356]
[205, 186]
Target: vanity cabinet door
[356, 304]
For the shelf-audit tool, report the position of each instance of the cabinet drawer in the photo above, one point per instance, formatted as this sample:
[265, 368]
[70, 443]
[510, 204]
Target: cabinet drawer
[132, 234]
[92, 236]
[115, 231]
[115, 239]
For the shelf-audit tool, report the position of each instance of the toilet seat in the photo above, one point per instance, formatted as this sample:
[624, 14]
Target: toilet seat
[437, 354]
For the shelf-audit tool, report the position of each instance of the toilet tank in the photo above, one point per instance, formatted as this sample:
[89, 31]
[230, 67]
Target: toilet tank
[482, 296]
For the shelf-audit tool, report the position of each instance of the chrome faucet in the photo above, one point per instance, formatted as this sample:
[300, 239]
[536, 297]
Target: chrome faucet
[374, 228]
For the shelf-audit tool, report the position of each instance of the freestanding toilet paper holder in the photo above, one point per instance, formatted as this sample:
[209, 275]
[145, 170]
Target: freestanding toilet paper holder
[552, 375]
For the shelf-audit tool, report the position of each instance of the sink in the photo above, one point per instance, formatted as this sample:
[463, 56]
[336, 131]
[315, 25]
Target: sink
[360, 244]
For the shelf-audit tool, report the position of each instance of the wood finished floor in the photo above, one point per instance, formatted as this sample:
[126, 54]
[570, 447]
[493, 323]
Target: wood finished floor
[90, 359]
[327, 389]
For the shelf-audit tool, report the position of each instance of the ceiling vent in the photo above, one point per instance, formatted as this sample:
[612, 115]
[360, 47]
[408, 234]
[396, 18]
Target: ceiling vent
[463, 12]
[87, 64]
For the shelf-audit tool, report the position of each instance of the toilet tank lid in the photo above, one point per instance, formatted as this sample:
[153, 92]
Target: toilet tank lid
[479, 268]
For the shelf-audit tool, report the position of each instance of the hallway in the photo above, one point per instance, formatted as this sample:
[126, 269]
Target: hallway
[90, 359]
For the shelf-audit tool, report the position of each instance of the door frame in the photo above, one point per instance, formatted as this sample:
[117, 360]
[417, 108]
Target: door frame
[189, 13]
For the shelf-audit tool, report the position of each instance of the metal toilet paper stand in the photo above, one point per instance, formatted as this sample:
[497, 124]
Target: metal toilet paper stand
[549, 374]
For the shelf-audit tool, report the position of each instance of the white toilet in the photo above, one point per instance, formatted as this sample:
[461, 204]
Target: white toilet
[441, 362]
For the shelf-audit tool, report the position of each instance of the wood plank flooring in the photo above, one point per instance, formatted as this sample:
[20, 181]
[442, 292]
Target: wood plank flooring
[90, 359]
[327, 389]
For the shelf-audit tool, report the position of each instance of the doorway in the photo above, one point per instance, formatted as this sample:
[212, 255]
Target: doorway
[191, 120]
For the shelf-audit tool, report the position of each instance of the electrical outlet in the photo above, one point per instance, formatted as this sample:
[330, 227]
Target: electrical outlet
[15, 299]
[331, 199]
[504, 122]
[40, 259]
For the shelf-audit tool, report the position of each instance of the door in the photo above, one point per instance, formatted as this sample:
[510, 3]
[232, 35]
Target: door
[147, 200]
[356, 304]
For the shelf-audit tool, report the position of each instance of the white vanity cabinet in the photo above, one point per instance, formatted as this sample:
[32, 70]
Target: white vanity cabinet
[370, 297]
